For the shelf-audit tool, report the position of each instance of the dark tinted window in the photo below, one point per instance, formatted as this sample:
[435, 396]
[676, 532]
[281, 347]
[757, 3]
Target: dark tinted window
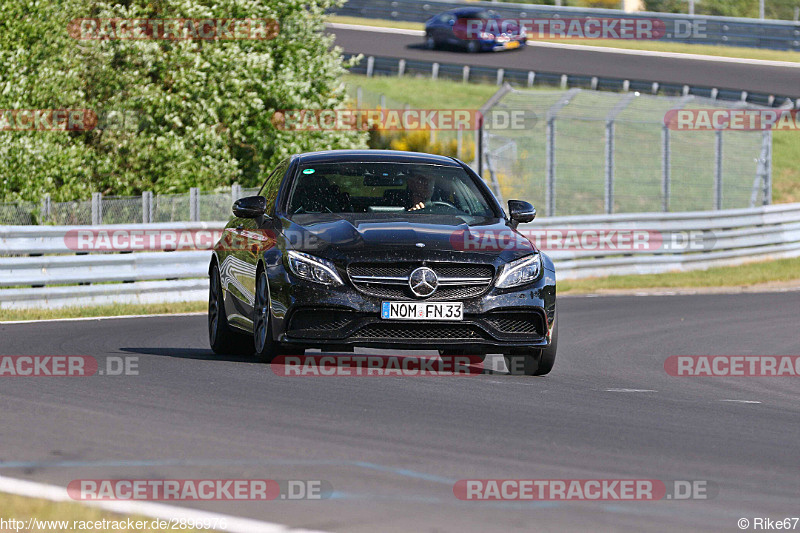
[272, 185]
[386, 188]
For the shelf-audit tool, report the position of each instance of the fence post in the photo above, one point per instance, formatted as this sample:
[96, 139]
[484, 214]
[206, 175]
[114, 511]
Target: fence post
[608, 195]
[459, 142]
[768, 182]
[359, 96]
[665, 167]
[147, 207]
[718, 170]
[46, 208]
[194, 204]
[550, 165]
[97, 208]
[236, 192]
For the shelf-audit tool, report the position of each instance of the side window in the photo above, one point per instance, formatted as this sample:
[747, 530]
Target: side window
[272, 185]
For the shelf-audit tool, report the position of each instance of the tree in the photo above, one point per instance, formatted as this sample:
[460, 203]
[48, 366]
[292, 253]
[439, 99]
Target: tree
[173, 114]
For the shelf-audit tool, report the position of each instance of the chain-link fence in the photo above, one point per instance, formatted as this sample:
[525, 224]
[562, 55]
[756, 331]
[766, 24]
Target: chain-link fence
[450, 142]
[148, 208]
[587, 152]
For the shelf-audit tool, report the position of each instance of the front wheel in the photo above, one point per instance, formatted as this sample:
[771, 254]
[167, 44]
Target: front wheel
[266, 348]
[430, 42]
[221, 336]
[473, 47]
[537, 363]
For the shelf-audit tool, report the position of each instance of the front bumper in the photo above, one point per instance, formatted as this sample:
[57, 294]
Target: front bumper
[317, 317]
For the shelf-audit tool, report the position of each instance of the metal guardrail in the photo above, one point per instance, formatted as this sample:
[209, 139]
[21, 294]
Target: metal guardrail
[392, 66]
[731, 237]
[730, 31]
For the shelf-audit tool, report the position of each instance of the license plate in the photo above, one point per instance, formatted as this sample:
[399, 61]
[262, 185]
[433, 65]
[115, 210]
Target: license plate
[512, 44]
[422, 311]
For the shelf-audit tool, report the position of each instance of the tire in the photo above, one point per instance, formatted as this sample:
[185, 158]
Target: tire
[224, 340]
[265, 348]
[430, 42]
[538, 363]
[473, 47]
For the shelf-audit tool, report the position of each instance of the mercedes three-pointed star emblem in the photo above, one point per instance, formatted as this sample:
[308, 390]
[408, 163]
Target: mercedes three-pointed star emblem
[423, 282]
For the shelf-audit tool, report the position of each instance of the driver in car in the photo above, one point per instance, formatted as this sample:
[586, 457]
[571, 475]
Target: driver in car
[420, 188]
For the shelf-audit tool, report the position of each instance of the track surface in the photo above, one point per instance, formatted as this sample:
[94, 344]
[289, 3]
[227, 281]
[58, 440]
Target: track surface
[742, 77]
[392, 447]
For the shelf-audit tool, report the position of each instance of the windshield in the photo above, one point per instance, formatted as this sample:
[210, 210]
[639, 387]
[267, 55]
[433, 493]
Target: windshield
[386, 188]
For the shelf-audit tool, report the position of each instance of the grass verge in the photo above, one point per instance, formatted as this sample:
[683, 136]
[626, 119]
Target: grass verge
[779, 271]
[103, 310]
[654, 46]
[68, 516]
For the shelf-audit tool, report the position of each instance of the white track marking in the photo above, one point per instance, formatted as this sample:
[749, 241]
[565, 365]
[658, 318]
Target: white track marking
[85, 318]
[630, 390]
[586, 48]
[741, 401]
[54, 493]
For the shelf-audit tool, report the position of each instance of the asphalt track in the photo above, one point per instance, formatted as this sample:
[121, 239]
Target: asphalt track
[393, 447]
[767, 79]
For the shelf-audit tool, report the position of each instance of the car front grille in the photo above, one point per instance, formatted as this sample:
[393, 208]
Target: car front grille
[517, 323]
[312, 320]
[420, 332]
[457, 281]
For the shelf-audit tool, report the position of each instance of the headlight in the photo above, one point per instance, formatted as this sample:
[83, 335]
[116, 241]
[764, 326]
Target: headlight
[520, 272]
[313, 269]
[487, 36]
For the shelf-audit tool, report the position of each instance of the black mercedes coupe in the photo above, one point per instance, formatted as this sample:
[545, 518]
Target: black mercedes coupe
[387, 249]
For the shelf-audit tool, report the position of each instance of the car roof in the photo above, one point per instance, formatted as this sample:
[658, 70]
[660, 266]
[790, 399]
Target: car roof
[374, 156]
[468, 11]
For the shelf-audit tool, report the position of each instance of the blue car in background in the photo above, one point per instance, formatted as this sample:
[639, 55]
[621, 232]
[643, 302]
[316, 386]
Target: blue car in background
[451, 28]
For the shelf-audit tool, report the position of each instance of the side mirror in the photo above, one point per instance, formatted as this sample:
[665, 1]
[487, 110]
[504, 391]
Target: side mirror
[452, 22]
[250, 207]
[520, 211]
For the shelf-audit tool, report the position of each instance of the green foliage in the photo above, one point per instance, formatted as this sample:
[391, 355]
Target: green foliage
[197, 112]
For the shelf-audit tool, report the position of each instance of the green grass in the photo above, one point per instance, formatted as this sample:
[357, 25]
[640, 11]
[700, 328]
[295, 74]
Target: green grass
[655, 46]
[22, 508]
[425, 93]
[777, 271]
[105, 310]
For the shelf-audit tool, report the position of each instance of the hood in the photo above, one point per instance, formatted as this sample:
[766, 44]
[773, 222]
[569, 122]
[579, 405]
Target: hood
[407, 236]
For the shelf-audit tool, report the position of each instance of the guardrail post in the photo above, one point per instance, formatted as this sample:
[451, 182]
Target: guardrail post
[531, 78]
[401, 68]
[500, 75]
[465, 74]
[194, 204]
[435, 71]
[718, 170]
[147, 207]
[665, 168]
[608, 196]
[97, 208]
[370, 66]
